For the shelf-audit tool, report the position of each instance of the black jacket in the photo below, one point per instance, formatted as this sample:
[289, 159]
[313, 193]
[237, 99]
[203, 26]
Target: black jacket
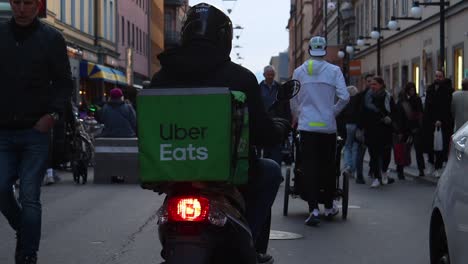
[119, 119]
[376, 131]
[202, 65]
[34, 72]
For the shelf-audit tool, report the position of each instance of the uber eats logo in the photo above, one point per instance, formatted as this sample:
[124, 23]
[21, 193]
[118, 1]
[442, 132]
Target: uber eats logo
[173, 133]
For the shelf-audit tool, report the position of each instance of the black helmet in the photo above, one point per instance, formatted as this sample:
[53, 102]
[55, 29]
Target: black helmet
[207, 23]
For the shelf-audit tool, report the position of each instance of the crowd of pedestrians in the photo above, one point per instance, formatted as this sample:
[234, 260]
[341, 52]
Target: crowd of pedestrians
[381, 124]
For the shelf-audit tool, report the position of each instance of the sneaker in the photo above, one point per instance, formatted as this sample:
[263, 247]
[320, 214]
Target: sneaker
[437, 173]
[330, 213]
[375, 183]
[430, 169]
[264, 258]
[26, 259]
[49, 180]
[384, 178]
[313, 219]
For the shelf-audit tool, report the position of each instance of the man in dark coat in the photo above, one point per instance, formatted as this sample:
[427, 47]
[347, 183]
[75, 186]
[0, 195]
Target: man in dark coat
[437, 114]
[36, 85]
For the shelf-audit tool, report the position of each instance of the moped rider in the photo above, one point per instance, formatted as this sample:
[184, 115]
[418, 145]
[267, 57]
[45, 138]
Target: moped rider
[202, 60]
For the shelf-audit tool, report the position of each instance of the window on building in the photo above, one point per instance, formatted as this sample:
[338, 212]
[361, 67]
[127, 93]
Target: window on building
[128, 34]
[63, 11]
[133, 35]
[404, 75]
[387, 11]
[90, 16]
[395, 8]
[404, 7]
[123, 31]
[112, 21]
[458, 60]
[105, 19]
[416, 74]
[395, 78]
[141, 41]
[72, 17]
[366, 16]
[82, 11]
[137, 48]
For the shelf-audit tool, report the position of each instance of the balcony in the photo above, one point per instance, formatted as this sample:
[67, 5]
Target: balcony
[174, 2]
[171, 38]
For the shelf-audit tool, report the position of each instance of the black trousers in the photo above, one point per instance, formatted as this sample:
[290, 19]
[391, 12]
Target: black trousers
[319, 161]
[376, 153]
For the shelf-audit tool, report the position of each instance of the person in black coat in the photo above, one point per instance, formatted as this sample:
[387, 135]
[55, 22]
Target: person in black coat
[378, 130]
[437, 114]
[409, 124]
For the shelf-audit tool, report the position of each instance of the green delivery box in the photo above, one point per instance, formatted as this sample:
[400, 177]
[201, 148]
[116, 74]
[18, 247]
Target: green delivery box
[186, 134]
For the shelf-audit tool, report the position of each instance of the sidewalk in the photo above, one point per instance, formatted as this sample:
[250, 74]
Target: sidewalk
[411, 171]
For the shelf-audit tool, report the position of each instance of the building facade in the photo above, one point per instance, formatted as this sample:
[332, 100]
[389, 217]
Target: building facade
[281, 64]
[156, 28]
[412, 54]
[133, 40]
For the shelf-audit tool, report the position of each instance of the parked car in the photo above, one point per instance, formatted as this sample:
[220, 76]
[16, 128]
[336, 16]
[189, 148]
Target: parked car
[449, 220]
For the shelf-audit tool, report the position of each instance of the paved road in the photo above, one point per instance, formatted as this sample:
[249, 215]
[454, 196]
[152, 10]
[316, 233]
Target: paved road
[115, 224]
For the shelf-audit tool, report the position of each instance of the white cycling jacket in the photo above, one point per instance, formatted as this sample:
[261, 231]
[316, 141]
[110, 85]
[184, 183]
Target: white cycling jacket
[322, 97]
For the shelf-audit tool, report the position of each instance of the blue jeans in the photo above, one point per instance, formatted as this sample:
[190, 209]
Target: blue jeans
[261, 194]
[351, 147]
[23, 156]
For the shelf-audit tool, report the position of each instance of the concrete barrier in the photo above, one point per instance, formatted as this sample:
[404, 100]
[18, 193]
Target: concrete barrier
[116, 160]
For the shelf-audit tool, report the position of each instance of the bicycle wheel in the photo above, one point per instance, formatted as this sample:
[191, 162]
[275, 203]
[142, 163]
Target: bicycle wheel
[287, 190]
[345, 196]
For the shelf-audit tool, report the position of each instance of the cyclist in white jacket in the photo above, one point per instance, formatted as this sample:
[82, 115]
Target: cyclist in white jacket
[322, 97]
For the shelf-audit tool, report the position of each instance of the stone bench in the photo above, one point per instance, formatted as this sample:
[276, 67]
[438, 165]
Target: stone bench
[116, 160]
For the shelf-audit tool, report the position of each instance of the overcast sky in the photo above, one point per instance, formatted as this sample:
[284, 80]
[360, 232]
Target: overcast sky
[264, 34]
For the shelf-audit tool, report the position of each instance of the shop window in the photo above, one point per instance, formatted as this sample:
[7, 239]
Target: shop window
[458, 69]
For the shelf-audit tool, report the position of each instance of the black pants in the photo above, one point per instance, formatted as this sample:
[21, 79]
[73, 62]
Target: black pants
[438, 157]
[318, 159]
[261, 245]
[386, 157]
[376, 153]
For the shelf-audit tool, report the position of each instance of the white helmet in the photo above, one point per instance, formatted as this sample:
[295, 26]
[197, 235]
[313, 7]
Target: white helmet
[317, 46]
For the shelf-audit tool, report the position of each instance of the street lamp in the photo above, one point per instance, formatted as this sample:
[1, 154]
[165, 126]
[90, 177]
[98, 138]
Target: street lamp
[416, 12]
[341, 54]
[350, 49]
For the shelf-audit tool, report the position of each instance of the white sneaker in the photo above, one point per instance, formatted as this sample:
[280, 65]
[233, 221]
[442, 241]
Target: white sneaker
[375, 183]
[49, 180]
[384, 178]
[437, 173]
[430, 169]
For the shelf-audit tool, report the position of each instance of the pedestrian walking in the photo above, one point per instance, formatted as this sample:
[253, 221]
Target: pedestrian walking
[269, 90]
[350, 117]
[315, 110]
[119, 118]
[460, 105]
[36, 81]
[378, 130]
[359, 135]
[409, 122]
[438, 116]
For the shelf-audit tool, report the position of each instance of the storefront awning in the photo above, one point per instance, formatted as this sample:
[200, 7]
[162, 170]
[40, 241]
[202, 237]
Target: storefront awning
[99, 72]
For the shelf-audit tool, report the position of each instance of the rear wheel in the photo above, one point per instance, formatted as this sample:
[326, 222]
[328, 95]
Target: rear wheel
[345, 196]
[439, 245]
[287, 189]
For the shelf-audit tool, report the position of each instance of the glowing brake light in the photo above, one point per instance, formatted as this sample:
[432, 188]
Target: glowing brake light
[188, 209]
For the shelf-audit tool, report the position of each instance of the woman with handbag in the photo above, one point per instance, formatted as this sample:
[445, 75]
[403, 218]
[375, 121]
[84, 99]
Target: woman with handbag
[409, 130]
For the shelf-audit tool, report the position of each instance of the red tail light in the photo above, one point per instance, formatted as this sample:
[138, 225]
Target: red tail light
[188, 209]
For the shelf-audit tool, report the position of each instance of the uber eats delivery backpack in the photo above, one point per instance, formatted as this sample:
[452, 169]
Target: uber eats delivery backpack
[192, 135]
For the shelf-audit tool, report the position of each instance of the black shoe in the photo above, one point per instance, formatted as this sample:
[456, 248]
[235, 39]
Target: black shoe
[421, 173]
[313, 220]
[391, 180]
[360, 180]
[264, 258]
[26, 259]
